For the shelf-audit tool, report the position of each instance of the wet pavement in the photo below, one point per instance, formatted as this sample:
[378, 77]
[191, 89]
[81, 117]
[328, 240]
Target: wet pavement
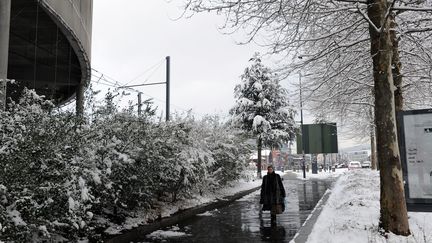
[243, 221]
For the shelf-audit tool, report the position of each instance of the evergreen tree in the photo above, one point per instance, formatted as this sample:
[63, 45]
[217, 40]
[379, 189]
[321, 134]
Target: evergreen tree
[262, 107]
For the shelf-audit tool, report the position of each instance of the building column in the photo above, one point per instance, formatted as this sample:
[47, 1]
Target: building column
[5, 8]
[80, 100]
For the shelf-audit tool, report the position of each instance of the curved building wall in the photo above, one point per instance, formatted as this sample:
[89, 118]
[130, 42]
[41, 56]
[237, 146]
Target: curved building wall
[50, 48]
[74, 17]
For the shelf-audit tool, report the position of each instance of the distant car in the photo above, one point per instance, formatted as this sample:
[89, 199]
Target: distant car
[341, 165]
[366, 164]
[354, 165]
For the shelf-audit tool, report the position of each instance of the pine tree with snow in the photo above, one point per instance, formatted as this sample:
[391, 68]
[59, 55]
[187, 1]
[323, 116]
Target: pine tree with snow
[262, 107]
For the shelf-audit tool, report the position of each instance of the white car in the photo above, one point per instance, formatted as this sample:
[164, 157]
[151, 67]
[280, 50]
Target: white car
[354, 165]
[366, 164]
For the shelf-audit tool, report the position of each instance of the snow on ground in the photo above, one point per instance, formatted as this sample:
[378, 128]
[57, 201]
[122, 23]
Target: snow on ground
[164, 234]
[351, 214]
[321, 175]
[208, 213]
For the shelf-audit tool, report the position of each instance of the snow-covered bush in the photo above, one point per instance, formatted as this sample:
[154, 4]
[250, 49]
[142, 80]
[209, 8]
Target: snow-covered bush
[36, 147]
[228, 148]
[63, 177]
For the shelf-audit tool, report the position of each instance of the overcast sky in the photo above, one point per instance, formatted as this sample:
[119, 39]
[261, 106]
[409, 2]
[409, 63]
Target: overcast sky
[132, 38]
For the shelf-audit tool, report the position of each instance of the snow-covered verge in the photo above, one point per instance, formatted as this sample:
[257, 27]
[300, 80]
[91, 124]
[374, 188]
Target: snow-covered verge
[321, 175]
[351, 214]
[67, 178]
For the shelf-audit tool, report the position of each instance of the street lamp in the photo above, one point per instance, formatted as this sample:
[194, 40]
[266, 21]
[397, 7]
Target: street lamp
[301, 127]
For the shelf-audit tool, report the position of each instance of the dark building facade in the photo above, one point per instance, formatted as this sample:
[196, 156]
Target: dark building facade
[49, 47]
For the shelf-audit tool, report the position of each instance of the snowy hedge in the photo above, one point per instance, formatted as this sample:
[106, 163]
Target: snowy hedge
[60, 178]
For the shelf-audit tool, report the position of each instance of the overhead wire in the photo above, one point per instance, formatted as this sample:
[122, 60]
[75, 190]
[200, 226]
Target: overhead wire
[158, 64]
[103, 79]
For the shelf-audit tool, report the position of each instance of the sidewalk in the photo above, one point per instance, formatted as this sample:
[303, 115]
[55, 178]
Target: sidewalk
[141, 231]
[307, 227]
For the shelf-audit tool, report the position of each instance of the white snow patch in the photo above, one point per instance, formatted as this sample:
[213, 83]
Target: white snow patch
[260, 121]
[96, 178]
[113, 230]
[84, 190]
[71, 203]
[351, 214]
[43, 229]
[258, 86]
[16, 218]
[321, 175]
[165, 234]
[133, 222]
[208, 213]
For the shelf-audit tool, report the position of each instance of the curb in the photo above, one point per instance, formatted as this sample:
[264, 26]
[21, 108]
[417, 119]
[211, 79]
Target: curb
[305, 230]
[140, 232]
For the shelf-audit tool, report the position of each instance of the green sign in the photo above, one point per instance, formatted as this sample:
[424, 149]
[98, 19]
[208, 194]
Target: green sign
[319, 139]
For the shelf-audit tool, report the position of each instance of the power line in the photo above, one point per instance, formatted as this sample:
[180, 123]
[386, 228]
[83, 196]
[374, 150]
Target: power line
[102, 79]
[158, 64]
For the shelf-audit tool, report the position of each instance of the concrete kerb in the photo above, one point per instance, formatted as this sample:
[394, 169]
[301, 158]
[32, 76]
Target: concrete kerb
[140, 232]
[305, 230]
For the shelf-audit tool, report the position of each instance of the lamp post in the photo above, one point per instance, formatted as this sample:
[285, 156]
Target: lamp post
[301, 127]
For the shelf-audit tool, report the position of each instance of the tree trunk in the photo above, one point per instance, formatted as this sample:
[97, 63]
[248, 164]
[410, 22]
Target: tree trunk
[259, 157]
[396, 64]
[393, 214]
[396, 68]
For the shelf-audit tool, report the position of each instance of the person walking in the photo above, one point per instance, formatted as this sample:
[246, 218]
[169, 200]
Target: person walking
[272, 194]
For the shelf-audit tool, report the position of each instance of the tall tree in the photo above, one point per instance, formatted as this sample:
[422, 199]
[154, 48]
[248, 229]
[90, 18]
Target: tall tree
[262, 107]
[336, 35]
[394, 215]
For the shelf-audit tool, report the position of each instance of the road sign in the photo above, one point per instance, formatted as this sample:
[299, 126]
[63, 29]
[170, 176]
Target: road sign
[319, 139]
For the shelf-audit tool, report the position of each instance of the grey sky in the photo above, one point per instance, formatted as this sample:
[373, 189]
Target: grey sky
[131, 36]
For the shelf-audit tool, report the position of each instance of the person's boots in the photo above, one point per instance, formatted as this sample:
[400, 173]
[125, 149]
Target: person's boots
[273, 219]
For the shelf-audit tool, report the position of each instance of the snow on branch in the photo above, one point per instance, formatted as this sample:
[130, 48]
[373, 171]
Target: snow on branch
[403, 8]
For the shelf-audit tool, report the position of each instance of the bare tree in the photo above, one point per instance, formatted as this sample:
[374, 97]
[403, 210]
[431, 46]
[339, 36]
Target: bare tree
[334, 35]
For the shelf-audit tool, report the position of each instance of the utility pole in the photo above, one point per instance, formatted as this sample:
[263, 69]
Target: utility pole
[5, 8]
[139, 103]
[167, 83]
[301, 127]
[168, 63]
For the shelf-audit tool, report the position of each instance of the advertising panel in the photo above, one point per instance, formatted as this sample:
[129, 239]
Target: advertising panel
[416, 154]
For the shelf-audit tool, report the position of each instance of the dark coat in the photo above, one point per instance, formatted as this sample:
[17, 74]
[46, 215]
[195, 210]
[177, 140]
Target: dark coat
[272, 191]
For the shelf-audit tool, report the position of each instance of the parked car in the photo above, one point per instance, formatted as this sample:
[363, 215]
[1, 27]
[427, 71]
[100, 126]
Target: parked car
[354, 165]
[366, 164]
[341, 165]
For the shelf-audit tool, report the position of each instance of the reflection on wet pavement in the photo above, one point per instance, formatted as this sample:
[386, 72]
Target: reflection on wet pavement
[243, 220]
